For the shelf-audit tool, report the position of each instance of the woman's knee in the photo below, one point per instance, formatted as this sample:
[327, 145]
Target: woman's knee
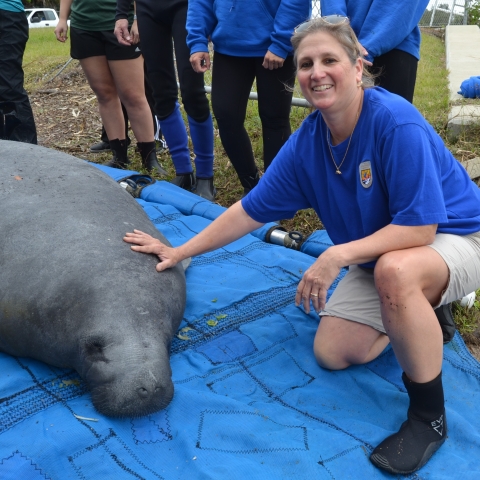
[328, 361]
[395, 274]
[328, 356]
[105, 93]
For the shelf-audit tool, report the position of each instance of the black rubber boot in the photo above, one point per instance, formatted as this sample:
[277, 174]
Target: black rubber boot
[421, 435]
[101, 146]
[149, 158]
[249, 182]
[447, 323]
[185, 181]
[206, 189]
[119, 150]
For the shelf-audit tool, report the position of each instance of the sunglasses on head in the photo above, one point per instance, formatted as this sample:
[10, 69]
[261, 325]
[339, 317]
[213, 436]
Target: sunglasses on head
[330, 19]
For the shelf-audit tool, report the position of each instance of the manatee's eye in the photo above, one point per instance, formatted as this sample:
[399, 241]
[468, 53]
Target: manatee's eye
[94, 347]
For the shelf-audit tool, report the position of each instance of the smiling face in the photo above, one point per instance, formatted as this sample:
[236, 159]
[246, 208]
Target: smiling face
[325, 73]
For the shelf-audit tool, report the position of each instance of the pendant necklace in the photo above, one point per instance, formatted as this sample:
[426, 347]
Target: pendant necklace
[337, 167]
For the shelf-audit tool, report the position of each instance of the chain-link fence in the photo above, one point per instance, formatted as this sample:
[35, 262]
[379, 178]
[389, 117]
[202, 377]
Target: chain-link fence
[440, 13]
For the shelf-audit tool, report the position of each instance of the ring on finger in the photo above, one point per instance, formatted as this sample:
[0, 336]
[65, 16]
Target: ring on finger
[314, 295]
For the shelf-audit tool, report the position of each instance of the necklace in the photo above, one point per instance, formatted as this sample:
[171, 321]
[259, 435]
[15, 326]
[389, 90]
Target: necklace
[337, 167]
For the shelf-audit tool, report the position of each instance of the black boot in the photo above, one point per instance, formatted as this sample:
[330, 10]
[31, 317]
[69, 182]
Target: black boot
[149, 158]
[248, 182]
[447, 323]
[205, 188]
[100, 146]
[119, 150]
[185, 181]
[421, 435]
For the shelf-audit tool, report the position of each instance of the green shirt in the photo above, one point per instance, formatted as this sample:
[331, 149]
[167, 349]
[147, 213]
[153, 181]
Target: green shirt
[96, 15]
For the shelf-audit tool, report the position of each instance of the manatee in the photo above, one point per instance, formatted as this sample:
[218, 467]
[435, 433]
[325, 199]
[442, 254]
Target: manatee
[72, 292]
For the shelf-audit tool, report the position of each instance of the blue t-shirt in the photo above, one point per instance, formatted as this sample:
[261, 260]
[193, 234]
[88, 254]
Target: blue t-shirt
[397, 170]
[12, 5]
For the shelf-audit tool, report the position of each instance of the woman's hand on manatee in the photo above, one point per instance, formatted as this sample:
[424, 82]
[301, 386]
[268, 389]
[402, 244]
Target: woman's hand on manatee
[145, 243]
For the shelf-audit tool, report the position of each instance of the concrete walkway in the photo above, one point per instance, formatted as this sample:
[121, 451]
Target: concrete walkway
[462, 43]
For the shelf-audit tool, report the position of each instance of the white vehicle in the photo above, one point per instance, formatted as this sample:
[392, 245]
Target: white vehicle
[42, 17]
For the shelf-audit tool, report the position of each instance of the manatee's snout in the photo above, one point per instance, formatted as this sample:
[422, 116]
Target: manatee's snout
[130, 380]
[132, 398]
[158, 395]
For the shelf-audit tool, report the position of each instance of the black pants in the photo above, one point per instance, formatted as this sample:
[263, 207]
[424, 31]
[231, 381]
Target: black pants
[232, 80]
[162, 28]
[397, 73]
[13, 38]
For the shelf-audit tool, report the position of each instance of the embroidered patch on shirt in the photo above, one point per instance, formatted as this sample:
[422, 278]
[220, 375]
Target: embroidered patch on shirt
[365, 169]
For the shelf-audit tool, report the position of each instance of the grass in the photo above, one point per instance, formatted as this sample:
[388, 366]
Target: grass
[44, 56]
[431, 89]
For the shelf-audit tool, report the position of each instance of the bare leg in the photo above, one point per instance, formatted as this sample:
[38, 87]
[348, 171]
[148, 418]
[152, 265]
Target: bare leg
[101, 82]
[130, 84]
[408, 283]
[340, 343]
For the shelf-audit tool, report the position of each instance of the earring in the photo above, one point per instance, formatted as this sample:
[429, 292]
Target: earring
[360, 84]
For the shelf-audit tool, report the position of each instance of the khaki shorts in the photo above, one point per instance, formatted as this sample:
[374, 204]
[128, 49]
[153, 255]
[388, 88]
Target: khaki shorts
[355, 298]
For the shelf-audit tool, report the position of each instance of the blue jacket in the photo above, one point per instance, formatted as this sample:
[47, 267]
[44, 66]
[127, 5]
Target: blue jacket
[244, 28]
[382, 25]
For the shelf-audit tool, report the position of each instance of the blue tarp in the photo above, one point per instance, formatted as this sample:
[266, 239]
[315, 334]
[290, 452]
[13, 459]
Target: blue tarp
[250, 401]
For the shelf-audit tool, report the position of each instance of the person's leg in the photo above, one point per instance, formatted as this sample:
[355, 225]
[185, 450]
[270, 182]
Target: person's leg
[156, 27]
[275, 91]
[340, 343]
[129, 81]
[397, 73]
[101, 81]
[351, 331]
[409, 282]
[13, 38]
[151, 103]
[195, 102]
[397, 298]
[232, 80]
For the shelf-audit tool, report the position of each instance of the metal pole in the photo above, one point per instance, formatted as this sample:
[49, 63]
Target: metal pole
[434, 9]
[451, 13]
[465, 12]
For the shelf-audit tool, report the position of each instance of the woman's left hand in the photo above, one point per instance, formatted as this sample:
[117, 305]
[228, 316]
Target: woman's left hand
[122, 33]
[317, 280]
[272, 61]
[134, 33]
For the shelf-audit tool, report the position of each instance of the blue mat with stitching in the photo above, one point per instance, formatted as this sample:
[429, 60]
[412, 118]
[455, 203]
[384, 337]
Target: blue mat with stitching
[250, 400]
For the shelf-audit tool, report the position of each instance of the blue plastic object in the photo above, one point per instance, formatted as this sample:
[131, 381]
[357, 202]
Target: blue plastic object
[470, 88]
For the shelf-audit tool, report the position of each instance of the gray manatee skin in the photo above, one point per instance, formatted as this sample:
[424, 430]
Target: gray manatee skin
[72, 292]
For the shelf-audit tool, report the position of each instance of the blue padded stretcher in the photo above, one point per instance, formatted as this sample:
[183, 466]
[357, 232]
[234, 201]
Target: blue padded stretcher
[250, 400]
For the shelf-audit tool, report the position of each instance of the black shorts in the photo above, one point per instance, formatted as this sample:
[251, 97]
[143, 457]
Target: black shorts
[84, 44]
